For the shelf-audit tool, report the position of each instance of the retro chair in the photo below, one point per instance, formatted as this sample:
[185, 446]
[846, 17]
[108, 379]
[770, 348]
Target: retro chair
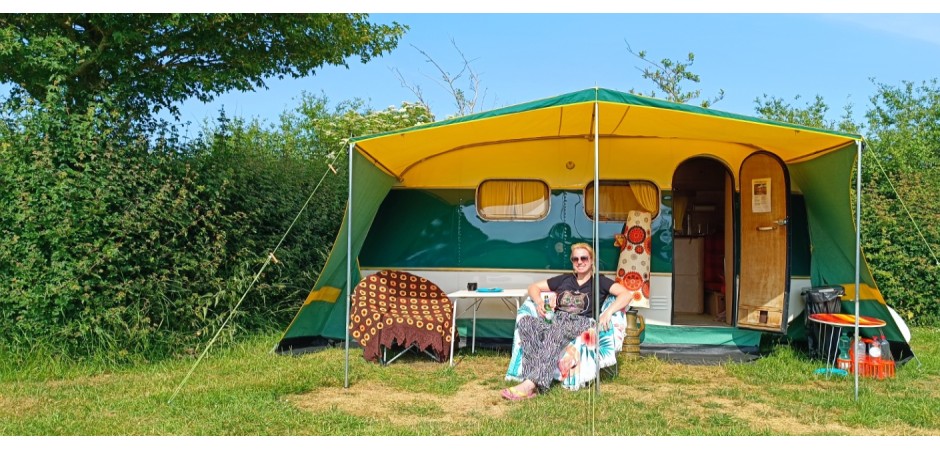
[399, 312]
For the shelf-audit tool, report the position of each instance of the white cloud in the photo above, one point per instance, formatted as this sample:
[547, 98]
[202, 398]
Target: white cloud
[922, 27]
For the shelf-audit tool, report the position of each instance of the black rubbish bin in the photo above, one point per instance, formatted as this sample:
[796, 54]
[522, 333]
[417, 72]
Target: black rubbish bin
[823, 339]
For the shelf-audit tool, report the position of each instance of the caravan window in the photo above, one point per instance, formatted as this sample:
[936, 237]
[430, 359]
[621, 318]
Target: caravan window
[513, 200]
[621, 196]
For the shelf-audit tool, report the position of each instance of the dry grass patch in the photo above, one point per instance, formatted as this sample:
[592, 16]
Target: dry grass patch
[12, 408]
[376, 401]
[373, 399]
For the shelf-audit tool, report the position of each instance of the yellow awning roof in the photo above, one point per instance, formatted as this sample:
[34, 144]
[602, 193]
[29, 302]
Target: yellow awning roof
[553, 140]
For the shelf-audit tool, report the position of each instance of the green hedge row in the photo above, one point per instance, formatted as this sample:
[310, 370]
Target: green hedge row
[129, 242]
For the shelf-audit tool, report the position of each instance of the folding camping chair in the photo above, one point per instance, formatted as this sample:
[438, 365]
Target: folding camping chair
[633, 272]
[399, 311]
[589, 350]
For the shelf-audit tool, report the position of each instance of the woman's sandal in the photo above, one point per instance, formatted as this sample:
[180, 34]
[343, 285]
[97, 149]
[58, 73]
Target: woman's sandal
[512, 394]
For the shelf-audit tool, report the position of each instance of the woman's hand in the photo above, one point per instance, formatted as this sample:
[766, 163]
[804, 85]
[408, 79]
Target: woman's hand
[603, 322]
[535, 294]
[539, 306]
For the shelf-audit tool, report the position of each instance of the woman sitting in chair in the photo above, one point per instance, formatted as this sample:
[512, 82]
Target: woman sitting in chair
[573, 307]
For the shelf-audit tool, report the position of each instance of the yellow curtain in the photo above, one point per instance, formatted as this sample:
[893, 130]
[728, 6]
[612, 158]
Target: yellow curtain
[529, 198]
[679, 203]
[616, 200]
[513, 199]
[646, 196]
[493, 200]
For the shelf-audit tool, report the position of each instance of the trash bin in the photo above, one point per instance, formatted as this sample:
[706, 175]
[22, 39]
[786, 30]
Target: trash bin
[822, 339]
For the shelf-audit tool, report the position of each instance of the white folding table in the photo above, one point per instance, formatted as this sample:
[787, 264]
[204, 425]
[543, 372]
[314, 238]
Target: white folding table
[477, 297]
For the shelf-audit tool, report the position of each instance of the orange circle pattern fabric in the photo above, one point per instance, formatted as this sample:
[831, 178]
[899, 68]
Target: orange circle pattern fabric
[394, 307]
[633, 264]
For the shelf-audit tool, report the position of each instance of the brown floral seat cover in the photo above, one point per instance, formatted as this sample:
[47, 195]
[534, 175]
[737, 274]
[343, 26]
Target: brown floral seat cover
[394, 307]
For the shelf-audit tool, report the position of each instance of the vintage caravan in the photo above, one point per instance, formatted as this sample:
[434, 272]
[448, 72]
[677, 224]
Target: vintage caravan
[746, 213]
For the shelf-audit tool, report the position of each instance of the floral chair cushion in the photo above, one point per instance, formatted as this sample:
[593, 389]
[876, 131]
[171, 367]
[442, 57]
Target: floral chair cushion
[581, 349]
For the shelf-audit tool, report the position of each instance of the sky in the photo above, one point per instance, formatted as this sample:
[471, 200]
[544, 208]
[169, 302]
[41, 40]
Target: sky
[785, 50]
[530, 56]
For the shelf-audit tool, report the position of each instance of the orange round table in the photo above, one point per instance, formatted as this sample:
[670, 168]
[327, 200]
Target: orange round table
[846, 320]
[832, 322]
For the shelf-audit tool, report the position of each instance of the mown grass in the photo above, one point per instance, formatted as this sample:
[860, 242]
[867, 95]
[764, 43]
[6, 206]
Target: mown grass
[245, 390]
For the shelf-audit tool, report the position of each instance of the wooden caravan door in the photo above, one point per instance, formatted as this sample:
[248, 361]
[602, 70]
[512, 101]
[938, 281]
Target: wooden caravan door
[764, 270]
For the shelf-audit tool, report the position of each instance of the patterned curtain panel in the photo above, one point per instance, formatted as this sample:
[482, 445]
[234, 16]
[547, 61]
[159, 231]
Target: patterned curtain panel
[633, 265]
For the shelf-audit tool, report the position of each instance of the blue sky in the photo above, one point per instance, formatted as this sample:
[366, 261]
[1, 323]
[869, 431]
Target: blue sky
[523, 57]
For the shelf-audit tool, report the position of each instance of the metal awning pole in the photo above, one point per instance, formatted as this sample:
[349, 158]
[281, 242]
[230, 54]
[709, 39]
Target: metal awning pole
[349, 216]
[594, 240]
[858, 251]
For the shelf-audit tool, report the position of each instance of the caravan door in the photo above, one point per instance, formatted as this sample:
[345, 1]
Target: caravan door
[763, 282]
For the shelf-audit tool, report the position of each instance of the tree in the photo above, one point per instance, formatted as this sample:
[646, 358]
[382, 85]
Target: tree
[905, 122]
[811, 115]
[900, 184]
[466, 101]
[669, 76]
[151, 61]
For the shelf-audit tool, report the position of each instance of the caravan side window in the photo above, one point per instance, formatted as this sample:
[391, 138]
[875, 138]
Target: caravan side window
[617, 197]
[513, 200]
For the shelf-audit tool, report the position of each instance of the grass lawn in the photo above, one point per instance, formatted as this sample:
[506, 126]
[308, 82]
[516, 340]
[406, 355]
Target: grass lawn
[245, 390]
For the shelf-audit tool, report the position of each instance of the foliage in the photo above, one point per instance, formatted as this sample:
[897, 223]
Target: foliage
[315, 127]
[113, 240]
[126, 241]
[668, 75]
[812, 114]
[904, 125]
[900, 189]
[151, 61]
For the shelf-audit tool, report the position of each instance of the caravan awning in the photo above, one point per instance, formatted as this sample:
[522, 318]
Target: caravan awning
[554, 138]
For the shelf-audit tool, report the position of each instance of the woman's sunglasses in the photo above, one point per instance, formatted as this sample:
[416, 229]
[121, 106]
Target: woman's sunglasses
[575, 259]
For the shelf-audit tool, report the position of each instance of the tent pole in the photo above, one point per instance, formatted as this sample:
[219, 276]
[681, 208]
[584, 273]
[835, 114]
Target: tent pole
[349, 208]
[594, 240]
[858, 249]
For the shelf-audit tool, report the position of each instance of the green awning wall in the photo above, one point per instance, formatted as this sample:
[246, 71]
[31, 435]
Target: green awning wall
[324, 312]
[827, 182]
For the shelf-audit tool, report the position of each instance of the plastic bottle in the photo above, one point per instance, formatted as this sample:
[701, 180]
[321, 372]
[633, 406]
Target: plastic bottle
[844, 346]
[844, 360]
[860, 351]
[887, 358]
[875, 350]
[886, 349]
